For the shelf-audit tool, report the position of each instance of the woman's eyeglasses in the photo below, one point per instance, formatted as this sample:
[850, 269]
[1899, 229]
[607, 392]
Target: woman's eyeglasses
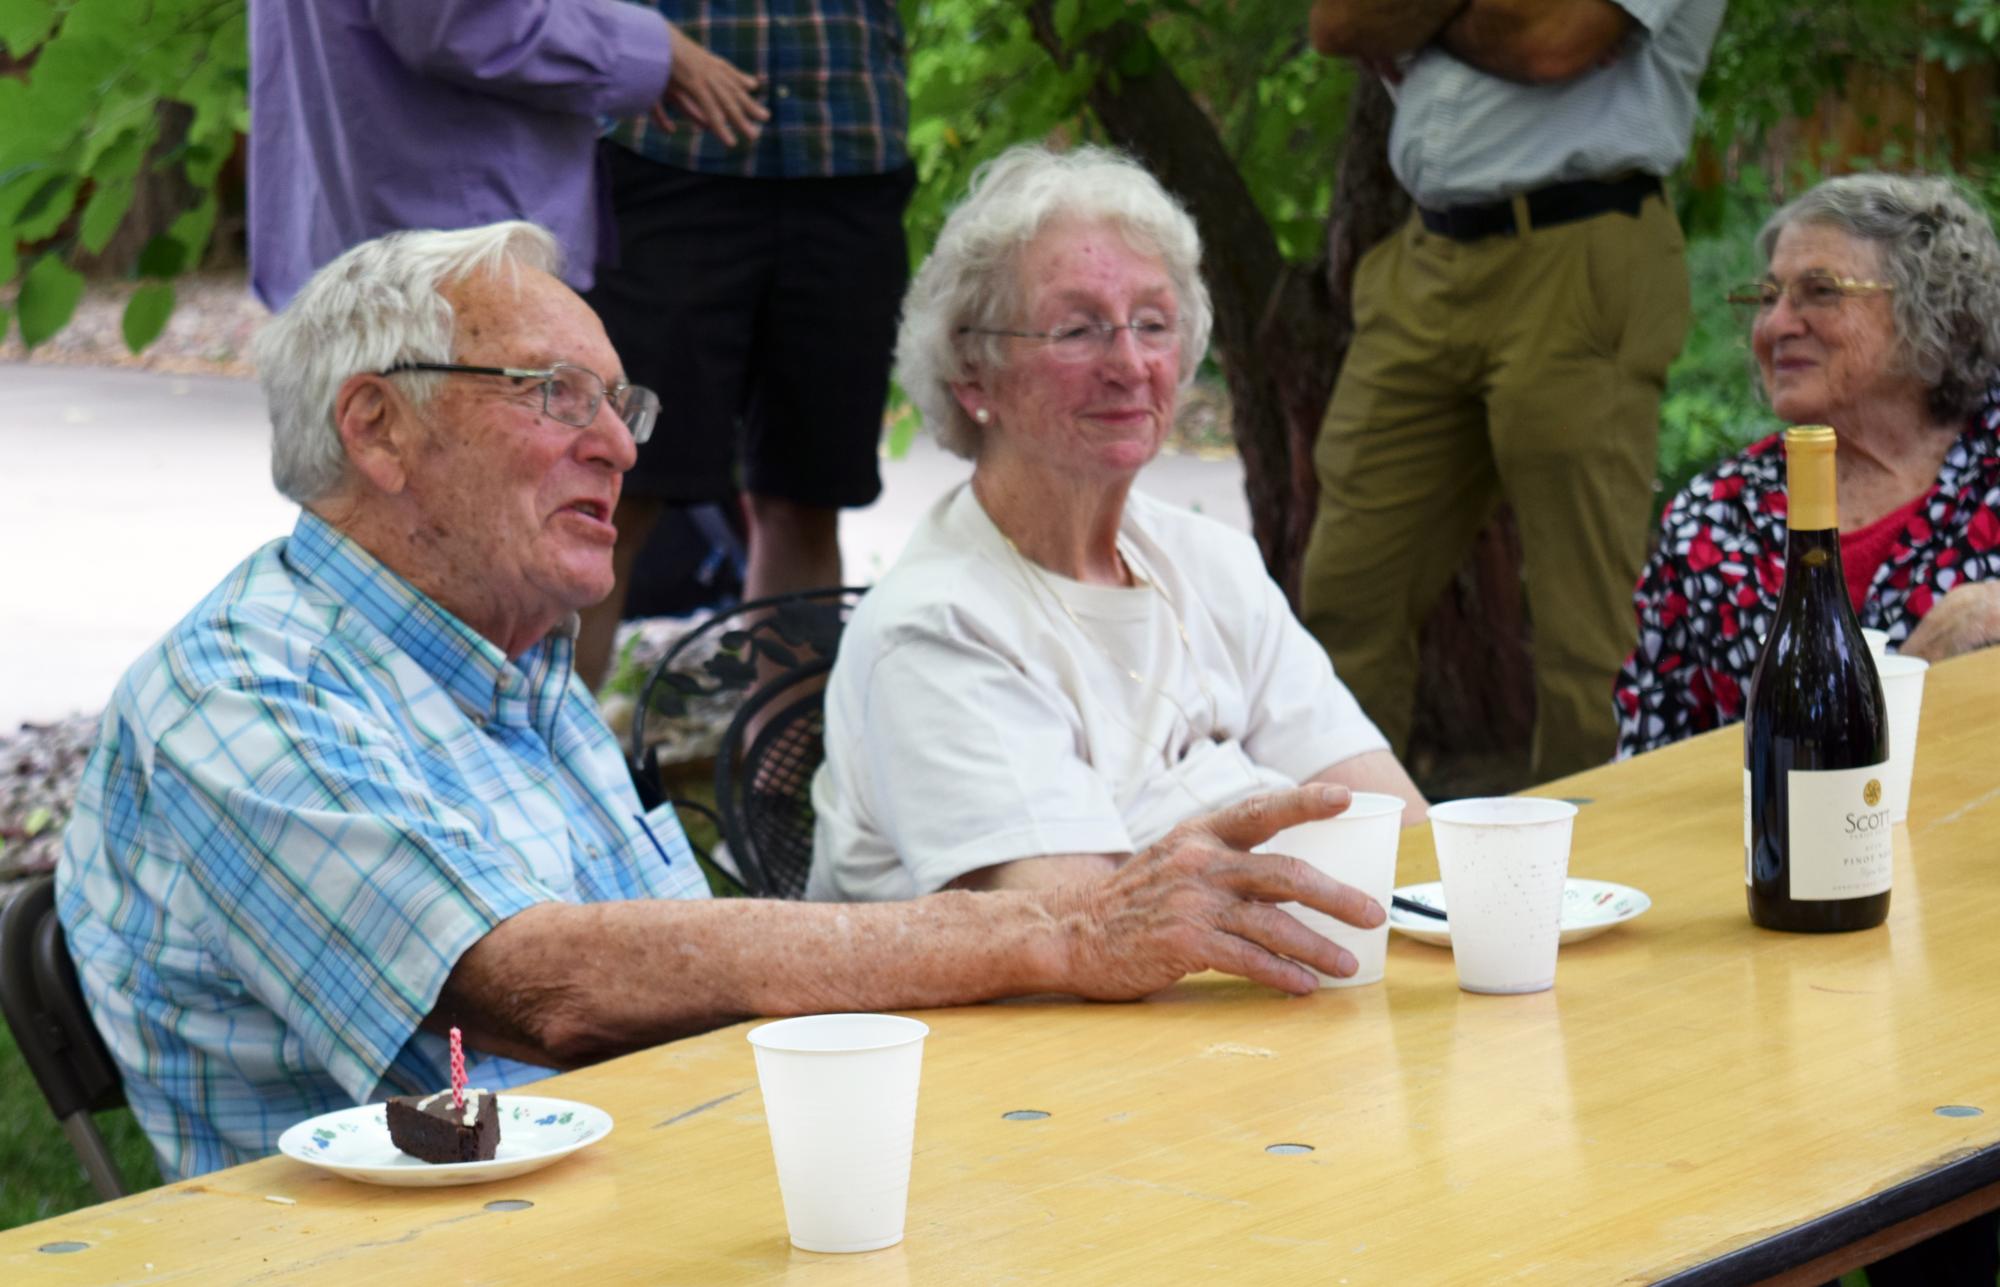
[1087, 341]
[571, 395]
[1808, 292]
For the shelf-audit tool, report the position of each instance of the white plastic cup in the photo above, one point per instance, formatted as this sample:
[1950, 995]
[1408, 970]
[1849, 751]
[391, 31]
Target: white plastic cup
[840, 1097]
[1504, 862]
[1903, 686]
[1359, 848]
[1878, 642]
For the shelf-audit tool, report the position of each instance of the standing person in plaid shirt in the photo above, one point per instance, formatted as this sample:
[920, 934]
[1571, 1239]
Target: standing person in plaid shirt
[756, 284]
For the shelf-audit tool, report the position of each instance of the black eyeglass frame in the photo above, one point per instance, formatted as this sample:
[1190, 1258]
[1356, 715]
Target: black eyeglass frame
[621, 394]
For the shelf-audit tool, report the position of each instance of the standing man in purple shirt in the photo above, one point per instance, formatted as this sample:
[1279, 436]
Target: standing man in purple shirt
[370, 116]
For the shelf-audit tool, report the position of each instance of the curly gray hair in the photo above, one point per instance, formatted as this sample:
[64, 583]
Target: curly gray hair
[373, 307]
[1939, 252]
[971, 277]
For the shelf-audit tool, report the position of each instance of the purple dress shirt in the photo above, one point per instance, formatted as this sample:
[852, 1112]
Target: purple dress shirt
[369, 116]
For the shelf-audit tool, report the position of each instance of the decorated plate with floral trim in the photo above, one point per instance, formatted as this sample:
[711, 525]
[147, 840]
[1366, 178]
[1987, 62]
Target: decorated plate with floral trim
[534, 1131]
[1589, 908]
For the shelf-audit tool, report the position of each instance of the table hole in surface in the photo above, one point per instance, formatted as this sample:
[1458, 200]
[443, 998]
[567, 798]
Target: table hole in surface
[509, 1204]
[1287, 1150]
[1024, 1115]
[1957, 1110]
[62, 1248]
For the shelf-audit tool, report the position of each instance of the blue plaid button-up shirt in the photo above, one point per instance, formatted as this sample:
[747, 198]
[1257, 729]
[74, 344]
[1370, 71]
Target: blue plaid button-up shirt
[833, 73]
[306, 802]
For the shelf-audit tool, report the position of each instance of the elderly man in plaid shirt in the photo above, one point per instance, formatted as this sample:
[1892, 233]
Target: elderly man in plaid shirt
[357, 797]
[757, 278]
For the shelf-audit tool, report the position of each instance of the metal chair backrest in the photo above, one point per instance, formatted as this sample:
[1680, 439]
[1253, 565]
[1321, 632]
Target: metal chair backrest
[51, 1023]
[771, 656]
[763, 792]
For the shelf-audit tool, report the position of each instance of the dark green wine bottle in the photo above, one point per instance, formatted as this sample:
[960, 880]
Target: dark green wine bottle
[1816, 836]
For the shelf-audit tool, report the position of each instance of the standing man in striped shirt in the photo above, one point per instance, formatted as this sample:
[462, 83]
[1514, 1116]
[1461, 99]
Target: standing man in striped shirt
[1511, 340]
[756, 284]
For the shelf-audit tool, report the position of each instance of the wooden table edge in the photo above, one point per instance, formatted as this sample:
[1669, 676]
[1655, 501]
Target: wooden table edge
[1823, 1249]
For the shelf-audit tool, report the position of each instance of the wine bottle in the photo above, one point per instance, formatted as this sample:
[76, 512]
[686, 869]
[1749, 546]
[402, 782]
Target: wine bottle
[1816, 839]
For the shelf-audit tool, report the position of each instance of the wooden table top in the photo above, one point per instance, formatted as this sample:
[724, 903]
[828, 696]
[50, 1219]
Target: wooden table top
[1696, 1097]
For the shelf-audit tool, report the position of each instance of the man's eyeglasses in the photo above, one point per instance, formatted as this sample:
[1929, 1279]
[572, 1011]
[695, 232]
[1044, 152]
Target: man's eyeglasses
[1085, 341]
[571, 395]
[1808, 292]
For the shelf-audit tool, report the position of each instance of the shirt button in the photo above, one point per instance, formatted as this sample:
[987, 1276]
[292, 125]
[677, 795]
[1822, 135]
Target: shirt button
[784, 91]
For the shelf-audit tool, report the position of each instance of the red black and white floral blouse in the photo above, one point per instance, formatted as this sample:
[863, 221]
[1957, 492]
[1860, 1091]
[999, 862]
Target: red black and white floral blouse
[1709, 591]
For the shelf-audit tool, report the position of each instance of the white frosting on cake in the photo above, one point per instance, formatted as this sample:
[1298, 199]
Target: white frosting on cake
[471, 1103]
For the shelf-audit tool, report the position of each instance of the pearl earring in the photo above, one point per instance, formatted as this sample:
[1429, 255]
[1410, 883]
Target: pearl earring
[983, 416]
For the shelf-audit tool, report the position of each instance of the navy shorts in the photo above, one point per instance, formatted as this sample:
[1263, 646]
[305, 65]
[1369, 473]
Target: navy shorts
[763, 312]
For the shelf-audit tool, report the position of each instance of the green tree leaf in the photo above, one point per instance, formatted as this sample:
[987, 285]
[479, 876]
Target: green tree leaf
[146, 314]
[103, 213]
[164, 256]
[49, 294]
[50, 199]
[24, 24]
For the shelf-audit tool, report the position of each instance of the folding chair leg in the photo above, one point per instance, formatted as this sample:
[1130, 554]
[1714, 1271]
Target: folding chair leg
[95, 1154]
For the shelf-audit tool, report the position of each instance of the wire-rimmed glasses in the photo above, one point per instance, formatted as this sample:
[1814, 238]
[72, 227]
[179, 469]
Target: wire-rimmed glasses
[571, 394]
[1085, 341]
[1808, 292]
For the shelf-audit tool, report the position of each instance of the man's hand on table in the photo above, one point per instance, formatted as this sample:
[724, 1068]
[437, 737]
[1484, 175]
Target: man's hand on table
[1199, 900]
[711, 92]
[1965, 620]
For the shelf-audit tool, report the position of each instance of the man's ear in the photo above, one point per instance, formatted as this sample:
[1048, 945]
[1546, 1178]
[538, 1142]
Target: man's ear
[377, 429]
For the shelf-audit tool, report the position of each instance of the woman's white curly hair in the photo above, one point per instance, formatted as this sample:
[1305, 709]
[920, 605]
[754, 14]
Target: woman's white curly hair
[972, 279]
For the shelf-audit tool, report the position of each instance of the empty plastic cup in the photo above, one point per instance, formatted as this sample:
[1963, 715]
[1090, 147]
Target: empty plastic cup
[840, 1098]
[1504, 862]
[1903, 686]
[1358, 848]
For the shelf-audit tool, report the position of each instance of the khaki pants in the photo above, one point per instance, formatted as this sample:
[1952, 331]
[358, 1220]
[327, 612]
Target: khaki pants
[1526, 366]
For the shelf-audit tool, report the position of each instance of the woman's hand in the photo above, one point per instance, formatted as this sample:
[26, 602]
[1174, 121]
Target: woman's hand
[1965, 620]
[711, 92]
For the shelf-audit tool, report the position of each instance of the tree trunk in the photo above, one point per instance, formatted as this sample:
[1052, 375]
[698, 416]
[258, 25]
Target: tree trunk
[1281, 333]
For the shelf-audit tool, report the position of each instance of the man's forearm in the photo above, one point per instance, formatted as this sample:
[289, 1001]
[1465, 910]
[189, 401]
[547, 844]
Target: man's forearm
[1043, 872]
[1378, 29]
[1536, 42]
[563, 984]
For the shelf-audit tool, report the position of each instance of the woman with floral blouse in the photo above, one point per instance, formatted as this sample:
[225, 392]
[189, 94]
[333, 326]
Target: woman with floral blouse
[1879, 315]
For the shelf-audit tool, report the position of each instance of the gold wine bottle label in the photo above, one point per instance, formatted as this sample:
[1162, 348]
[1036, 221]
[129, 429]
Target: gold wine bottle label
[1809, 479]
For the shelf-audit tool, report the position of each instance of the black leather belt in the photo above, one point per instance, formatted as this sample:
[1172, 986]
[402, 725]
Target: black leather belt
[1557, 203]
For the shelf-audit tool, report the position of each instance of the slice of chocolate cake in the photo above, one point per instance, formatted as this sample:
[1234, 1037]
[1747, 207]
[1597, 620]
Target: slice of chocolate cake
[433, 1129]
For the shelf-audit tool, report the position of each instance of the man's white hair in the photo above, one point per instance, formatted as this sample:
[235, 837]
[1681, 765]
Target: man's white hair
[972, 277]
[375, 306]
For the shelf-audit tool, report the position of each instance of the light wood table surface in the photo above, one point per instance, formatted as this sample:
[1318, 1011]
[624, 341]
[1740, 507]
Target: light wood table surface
[1697, 1100]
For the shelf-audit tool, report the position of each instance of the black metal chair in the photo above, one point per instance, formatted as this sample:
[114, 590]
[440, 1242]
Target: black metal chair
[774, 652]
[51, 1024]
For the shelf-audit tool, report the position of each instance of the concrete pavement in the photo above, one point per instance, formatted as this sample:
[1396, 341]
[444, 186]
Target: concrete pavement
[126, 495]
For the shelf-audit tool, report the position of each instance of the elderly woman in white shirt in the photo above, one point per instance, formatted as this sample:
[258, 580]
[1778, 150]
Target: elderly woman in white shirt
[1059, 669]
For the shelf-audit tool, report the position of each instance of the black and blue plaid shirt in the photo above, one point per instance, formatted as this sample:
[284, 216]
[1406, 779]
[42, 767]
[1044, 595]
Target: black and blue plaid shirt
[833, 79]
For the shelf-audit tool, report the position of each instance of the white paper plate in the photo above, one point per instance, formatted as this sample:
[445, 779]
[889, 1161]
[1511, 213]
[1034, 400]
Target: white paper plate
[1589, 908]
[534, 1131]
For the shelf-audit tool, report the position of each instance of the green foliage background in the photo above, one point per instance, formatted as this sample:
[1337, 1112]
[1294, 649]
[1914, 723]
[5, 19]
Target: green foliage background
[86, 119]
